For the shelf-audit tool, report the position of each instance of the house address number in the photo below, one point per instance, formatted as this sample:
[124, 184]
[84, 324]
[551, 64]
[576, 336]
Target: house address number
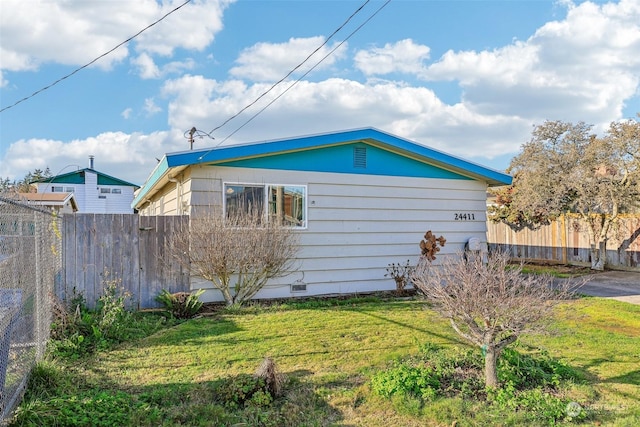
[464, 216]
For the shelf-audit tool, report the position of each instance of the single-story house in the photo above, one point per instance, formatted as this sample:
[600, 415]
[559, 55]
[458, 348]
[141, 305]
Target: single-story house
[360, 199]
[61, 203]
[94, 191]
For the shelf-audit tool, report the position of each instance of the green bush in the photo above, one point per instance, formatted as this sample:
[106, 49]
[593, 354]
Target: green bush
[530, 385]
[526, 371]
[403, 379]
[92, 407]
[235, 391]
[181, 305]
[77, 330]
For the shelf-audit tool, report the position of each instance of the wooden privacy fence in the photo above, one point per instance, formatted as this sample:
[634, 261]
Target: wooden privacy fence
[129, 248]
[566, 241]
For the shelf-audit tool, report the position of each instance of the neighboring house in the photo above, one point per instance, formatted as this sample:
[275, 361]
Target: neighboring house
[61, 203]
[94, 192]
[361, 199]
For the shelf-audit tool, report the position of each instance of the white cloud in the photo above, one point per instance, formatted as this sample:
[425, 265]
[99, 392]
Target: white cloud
[75, 32]
[126, 113]
[582, 68]
[150, 107]
[147, 69]
[128, 157]
[178, 30]
[334, 104]
[404, 56]
[272, 61]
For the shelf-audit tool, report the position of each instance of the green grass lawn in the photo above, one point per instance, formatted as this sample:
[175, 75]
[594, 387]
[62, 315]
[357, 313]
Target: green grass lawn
[328, 352]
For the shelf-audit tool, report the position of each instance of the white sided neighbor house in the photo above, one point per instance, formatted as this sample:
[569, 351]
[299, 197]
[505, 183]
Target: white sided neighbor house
[93, 191]
[360, 200]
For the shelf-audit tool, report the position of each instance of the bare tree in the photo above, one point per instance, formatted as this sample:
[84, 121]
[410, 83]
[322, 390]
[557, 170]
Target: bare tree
[566, 168]
[489, 304]
[239, 254]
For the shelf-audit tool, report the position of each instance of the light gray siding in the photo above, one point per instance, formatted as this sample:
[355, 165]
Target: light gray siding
[357, 224]
[90, 199]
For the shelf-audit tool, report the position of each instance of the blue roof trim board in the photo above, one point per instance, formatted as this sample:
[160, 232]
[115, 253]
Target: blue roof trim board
[332, 152]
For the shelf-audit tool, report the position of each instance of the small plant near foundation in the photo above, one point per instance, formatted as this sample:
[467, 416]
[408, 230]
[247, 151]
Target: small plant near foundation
[181, 305]
[401, 274]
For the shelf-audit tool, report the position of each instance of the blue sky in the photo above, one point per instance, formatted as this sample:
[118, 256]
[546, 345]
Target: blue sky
[467, 77]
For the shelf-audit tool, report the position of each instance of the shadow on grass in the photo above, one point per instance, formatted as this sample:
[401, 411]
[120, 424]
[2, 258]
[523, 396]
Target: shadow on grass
[226, 401]
[195, 331]
[446, 338]
[231, 401]
[632, 378]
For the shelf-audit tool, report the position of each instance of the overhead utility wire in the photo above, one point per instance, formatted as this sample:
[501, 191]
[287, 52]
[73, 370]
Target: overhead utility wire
[96, 59]
[292, 71]
[301, 77]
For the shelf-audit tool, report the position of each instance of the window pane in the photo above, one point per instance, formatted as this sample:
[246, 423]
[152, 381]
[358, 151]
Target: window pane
[243, 198]
[287, 204]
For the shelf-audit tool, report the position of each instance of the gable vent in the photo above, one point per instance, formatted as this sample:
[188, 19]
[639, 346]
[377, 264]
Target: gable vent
[360, 157]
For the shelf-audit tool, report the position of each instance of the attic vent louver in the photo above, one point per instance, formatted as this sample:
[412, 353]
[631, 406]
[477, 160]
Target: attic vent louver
[360, 157]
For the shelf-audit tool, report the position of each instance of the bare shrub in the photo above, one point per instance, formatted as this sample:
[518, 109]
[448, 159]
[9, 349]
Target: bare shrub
[401, 274]
[490, 304]
[239, 254]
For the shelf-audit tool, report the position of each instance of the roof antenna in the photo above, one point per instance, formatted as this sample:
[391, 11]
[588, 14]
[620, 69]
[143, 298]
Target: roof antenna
[193, 131]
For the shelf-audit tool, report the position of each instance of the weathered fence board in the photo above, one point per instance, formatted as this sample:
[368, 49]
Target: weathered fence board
[566, 241]
[128, 248]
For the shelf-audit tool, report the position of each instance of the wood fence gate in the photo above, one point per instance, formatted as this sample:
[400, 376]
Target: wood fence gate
[129, 248]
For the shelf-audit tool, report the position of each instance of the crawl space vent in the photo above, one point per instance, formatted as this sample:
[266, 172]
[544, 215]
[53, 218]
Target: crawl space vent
[360, 157]
[298, 286]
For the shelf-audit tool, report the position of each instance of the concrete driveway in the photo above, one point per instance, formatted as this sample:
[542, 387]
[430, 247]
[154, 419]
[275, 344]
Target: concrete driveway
[618, 285]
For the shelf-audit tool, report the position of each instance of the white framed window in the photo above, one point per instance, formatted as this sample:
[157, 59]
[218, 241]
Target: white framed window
[116, 191]
[69, 189]
[284, 203]
[105, 190]
[57, 189]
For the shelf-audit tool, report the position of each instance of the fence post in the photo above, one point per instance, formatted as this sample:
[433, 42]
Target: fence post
[38, 229]
[563, 224]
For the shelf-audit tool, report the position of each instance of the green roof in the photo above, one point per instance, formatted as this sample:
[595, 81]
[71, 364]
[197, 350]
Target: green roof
[78, 177]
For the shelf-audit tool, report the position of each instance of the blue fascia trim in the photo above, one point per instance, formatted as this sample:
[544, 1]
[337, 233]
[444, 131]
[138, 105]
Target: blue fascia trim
[161, 168]
[371, 136]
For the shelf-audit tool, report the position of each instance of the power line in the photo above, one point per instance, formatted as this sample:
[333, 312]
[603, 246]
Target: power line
[299, 79]
[293, 70]
[93, 61]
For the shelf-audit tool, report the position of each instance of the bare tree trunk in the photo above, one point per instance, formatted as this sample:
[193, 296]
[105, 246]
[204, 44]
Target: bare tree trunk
[491, 366]
[598, 231]
[599, 255]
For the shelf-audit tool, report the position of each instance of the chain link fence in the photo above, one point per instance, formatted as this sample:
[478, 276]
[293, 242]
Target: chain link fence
[30, 261]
